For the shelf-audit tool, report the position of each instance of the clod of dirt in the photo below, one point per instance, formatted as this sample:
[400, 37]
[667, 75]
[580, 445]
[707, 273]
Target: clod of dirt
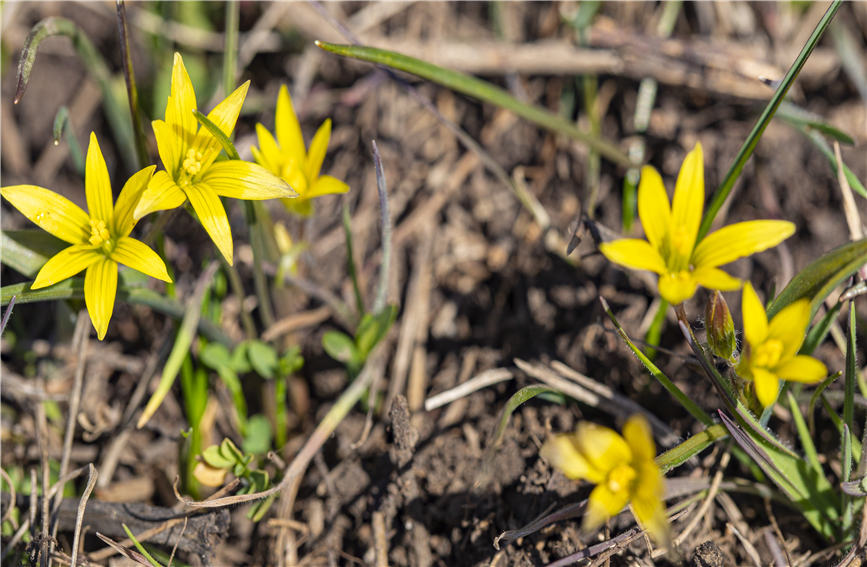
[708, 554]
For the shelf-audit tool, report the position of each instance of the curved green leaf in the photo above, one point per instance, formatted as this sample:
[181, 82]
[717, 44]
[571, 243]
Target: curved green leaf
[818, 279]
[481, 90]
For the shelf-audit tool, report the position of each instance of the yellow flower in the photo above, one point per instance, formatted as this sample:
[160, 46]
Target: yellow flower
[188, 153]
[287, 158]
[100, 240]
[622, 468]
[670, 249]
[771, 350]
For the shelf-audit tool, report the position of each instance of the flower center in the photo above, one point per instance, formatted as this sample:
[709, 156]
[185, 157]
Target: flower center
[621, 478]
[767, 354]
[192, 163]
[100, 236]
[681, 244]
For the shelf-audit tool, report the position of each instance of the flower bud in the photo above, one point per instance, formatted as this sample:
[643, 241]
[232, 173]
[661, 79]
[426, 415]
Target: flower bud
[720, 327]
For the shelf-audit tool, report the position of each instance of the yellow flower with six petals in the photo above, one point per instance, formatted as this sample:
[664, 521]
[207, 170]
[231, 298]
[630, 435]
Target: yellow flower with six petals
[100, 240]
[188, 153]
[770, 353]
[287, 158]
[622, 468]
[671, 250]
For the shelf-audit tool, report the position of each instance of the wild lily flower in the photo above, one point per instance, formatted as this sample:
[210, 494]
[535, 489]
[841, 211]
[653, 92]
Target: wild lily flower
[670, 249]
[770, 353]
[100, 240]
[622, 468]
[188, 153]
[287, 158]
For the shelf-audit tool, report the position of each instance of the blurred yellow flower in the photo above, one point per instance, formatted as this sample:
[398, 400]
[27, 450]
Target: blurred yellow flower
[670, 249]
[287, 158]
[622, 468]
[100, 240]
[188, 153]
[770, 353]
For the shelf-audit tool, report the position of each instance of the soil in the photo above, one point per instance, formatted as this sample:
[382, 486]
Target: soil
[480, 284]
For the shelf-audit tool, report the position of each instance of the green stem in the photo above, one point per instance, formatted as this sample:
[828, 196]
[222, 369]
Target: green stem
[749, 145]
[131, 90]
[230, 51]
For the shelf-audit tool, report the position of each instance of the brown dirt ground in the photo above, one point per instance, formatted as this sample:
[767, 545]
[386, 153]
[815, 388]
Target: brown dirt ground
[477, 285]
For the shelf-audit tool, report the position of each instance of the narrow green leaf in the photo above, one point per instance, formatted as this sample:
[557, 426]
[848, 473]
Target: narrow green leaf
[818, 279]
[140, 547]
[851, 371]
[845, 476]
[218, 134]
[481, 90]
[664, 380]
[373, 328]
[817, 333]
[804, 434]
[26, 251]
[828, 152]
[749, 145]
[678, 455]
[797, 116]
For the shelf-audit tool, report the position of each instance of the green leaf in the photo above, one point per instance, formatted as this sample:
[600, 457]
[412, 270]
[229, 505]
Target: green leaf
[218, 134]
[798, 116]
[26, 251]
[339, 346]
[240, 361]
[258, 438]
[291, 361]
[229, 450]
[262, 358]
[818, 279]
[373, 328]
[678, 455]
[481, 90]
[216, 356]
[214, 457]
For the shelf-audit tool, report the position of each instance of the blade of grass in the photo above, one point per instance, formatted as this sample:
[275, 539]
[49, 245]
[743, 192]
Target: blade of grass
[847, 503]
[481, 90]
[230, 50]
[63, 125]
[804, 434]
[851, 371]
[382, 287]
[131, 89]
[140, 547]
[350, 259]
[676, 456]
[666, 383]
[749, 145]
[183, 342]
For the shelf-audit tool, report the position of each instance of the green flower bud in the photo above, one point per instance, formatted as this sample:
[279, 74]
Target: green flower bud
[720, 327]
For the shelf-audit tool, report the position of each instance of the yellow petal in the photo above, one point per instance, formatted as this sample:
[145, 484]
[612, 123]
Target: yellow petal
[97, 185]
[138, 256]
[318, 147]
[755, 318]
[269, 156]
[650, 513]
[789, 326]
[562, 453]
[51, 212]
[66, 264]
[213, 217]
[603, 504]
[677, 288]
[688, 200]
[181, 103]
[653, 207]
[224, 116]
[100, 287]
[767, 386]
[637, 433]
[802, 368]
[245, 180]
[124, 221]
[740, 239]
[633, 253]
[287, 127]
[326, 185]
[170, 144]
[714, 278]
[162, 193]
[603, 448]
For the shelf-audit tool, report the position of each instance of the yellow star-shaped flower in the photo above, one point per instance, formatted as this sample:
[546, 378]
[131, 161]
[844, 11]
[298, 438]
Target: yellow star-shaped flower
[622, 468]
[770, 353]
[100, 240]
[188, 153]
[671, 250]
[287, 158]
